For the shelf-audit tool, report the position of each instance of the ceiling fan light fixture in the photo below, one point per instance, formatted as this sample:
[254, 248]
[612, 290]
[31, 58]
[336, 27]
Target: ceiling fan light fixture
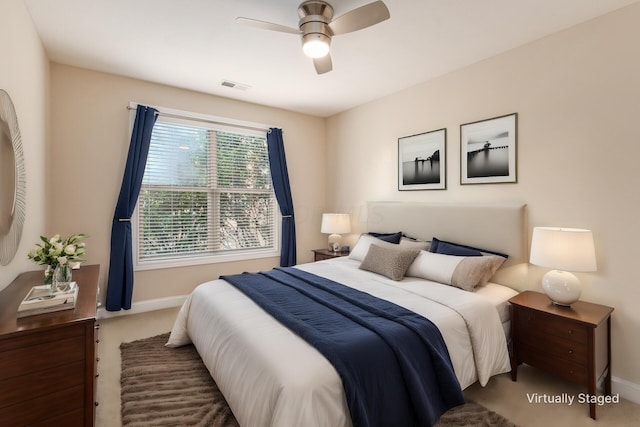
[315, 45]
[317, 26]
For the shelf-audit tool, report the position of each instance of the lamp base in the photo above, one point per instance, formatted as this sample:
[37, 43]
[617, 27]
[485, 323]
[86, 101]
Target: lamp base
[334, 242]
[562, 287]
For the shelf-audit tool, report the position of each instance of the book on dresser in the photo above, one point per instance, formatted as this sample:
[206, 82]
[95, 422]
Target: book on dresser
[41, 300]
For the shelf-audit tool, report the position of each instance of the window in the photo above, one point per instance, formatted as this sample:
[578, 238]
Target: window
[206, 196]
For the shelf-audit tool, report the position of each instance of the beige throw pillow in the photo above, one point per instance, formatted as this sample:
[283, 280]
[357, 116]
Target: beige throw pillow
[390, 262]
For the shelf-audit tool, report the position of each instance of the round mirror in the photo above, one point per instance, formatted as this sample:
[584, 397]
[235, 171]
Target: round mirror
[7, 180]
[12, 181]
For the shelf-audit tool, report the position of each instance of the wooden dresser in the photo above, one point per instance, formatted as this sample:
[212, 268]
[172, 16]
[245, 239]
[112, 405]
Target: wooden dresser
[48, 361]
[573, 343]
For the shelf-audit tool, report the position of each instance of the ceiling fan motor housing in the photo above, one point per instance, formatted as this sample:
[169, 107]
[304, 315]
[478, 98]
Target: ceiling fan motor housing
[315, 16]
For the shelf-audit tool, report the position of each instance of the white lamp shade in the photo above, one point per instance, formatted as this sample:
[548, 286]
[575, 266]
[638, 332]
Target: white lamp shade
[568, 249]
[335, 223]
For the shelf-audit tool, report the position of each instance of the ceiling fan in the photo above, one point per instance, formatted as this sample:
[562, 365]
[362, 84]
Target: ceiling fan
[317, 26]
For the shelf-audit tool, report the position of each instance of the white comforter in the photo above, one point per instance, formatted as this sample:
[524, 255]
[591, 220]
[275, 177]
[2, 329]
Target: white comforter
[271, 377]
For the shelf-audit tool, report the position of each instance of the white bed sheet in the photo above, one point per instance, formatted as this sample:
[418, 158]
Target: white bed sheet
[270, 376]
[499, 296]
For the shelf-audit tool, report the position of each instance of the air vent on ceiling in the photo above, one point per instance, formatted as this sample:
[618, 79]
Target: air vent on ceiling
[235, 85]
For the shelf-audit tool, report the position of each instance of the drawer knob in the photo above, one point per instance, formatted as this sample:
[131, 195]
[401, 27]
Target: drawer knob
[97, 341]
[570, 331]
[570, 351]
[96, 403]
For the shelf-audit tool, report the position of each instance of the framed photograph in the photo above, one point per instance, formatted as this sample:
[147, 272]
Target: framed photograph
[488, 150]
[422, 160]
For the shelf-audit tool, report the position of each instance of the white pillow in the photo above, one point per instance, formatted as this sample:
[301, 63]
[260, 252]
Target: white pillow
[459, 271]
[360, 250]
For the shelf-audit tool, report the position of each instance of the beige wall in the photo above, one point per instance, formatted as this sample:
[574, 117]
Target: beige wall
[90, 136]
[577, 95]
[24, 74]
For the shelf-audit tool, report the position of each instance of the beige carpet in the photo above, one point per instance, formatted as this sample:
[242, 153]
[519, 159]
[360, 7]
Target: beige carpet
[170, 387]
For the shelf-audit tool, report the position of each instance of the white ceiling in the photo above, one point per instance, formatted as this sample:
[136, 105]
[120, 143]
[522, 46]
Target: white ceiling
[196, 44]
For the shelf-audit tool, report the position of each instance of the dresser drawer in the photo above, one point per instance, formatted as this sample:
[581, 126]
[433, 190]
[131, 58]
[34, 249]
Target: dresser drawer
[42, 383]
[531, 321]
[559, 366]
[43, 409]
[48, 355]
[68, 419]
[31, 339]
[554, 345]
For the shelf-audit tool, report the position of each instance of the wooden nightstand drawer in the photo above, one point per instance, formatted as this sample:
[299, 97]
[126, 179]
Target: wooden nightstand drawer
[561, 367]
[555, 346]
[531, 321]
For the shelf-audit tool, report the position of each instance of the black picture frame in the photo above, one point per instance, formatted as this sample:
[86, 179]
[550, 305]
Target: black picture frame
[488, 150]
[422, 160]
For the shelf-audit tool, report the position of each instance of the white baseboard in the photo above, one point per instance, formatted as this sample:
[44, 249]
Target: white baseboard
[627, 389]
[144, 306]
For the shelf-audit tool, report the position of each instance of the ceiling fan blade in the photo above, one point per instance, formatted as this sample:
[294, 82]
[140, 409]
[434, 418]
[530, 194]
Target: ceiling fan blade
[323, 65]
[267, 25]
[362, 17]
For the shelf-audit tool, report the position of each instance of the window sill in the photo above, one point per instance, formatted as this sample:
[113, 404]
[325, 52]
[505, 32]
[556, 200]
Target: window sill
[201, 260]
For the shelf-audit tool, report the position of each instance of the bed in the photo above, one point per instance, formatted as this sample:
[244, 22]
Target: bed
[270, 376]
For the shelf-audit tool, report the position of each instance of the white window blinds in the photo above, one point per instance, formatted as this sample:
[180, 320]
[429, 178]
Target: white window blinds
[206, 192]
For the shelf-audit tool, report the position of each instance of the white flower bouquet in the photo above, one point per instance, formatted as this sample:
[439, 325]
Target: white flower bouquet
[55, 251]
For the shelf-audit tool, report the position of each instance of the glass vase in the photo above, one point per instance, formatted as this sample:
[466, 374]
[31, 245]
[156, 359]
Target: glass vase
[61, 278]
[48, 278]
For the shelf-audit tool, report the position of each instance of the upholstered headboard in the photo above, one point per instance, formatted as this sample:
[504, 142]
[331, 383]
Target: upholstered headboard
[499, 227]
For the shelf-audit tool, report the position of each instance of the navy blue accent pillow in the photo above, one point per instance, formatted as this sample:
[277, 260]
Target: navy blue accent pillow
[450, 248]
[388, 237]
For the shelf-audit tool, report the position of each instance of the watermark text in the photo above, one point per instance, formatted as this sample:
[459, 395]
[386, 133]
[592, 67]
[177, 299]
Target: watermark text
[570, 399]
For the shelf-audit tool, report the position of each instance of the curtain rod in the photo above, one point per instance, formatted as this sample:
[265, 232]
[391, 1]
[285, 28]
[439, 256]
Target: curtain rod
[178, 116]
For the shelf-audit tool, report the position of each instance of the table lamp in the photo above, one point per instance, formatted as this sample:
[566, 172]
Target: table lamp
[565, 250]
[335, 224]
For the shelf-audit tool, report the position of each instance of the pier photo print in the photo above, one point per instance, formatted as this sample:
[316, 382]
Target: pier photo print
[422, 160]
[488, 150]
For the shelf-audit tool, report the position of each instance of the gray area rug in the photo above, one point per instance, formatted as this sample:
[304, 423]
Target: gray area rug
[172, 387]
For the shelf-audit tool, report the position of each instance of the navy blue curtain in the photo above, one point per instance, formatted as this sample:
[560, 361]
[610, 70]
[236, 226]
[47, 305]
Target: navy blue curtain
[120, 285]
[280, 178]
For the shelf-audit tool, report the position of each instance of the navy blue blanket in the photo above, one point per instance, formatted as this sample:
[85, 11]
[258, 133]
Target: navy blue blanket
[394, 364]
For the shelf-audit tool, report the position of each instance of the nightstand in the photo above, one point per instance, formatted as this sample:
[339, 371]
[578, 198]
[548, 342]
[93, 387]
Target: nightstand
[573, 343]
[321, 254]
